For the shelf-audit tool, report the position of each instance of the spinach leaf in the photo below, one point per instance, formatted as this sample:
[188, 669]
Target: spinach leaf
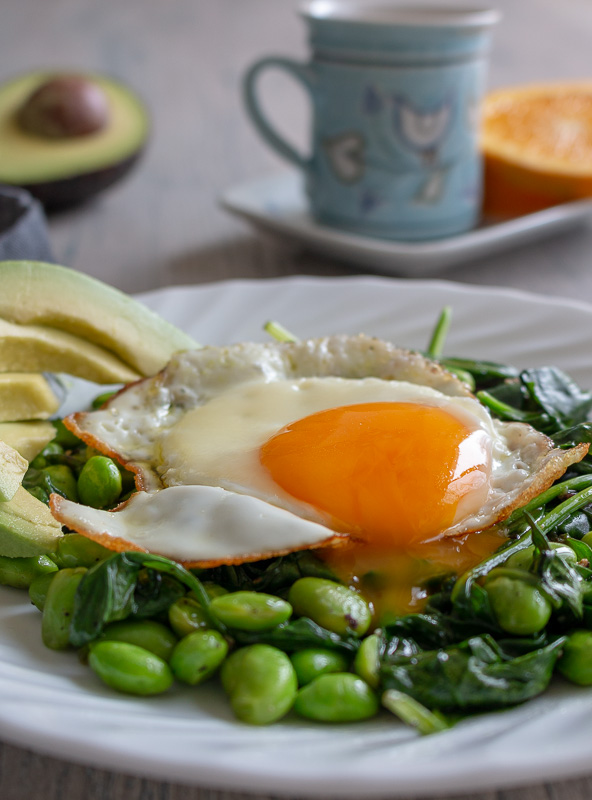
[558, 395]
[154, 593]
[560, 581]
[298, 635]
[105, 594]
[568, 437]
[475, 675]
[123, 585]
[415, 632]
[274, 575]
[482, 371]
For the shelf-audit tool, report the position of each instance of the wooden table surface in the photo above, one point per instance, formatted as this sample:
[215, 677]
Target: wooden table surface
[163, 225]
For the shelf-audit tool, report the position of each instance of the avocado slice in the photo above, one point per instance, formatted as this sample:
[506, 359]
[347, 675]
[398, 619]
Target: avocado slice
[27, 438]
[27, 527]
[33, 348]
[61, 171]
[36, 293]
[12, 471]
[26, 395]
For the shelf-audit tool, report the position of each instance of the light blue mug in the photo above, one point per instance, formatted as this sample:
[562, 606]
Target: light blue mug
[396, 92]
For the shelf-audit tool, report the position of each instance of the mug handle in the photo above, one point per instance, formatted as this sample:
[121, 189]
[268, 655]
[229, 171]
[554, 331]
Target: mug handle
[304, 75]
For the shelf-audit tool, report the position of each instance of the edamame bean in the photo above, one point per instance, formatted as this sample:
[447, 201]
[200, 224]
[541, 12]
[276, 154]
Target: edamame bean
[315, 661]
[129, 668]
[523, 558]
[59, 605]
[367, 660]
[197, 656]
[60, 479]
[213, 589]
[587, 539]
[101, 399]
[186, 616]
[20, 572]
[147, 633]
[260, 682]
[338, 697]
[74, 550]
[52, 449]
[519, 607]
[39, 588]
[576, 662]
[331, 605]
[99, 482]
[250, 611]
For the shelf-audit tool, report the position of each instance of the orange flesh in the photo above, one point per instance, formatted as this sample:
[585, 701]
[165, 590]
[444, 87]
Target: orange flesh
[389, 472]
[545, 127]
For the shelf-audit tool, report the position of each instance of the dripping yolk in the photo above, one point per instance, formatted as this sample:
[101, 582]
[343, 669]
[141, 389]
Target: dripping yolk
[389, 473]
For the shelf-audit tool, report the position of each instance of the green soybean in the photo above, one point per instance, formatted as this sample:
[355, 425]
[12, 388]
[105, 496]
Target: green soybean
[367, 660]
[186, 616]
[99, 482]
[213, 589]
[197, 656]
[59, 478]
[52, 449]
[338, 697]
[21, 572]
[129, 668]
[101, 399]
[587, 539]
[74, 550]
[523, 558]
[260, 682]
[576, 662]
[331, 605]
[519, 607]
[59, 605]
[315, 661]
[147, 633]
[38, 589]
[250, 611]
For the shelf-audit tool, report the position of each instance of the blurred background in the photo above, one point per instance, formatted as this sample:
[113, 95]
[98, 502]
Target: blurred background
[163, 224]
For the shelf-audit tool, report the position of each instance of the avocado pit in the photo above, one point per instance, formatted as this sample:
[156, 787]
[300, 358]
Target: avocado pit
[67, 105]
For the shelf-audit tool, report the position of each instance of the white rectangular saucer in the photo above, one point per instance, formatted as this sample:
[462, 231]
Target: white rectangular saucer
[278, 204]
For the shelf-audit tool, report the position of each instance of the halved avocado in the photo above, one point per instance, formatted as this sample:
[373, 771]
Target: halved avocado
[64, 170]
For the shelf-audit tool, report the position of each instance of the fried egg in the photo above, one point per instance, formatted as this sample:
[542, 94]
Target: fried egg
[256, 450]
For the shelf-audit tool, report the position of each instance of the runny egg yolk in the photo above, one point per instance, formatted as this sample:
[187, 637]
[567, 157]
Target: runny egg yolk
[392, 473]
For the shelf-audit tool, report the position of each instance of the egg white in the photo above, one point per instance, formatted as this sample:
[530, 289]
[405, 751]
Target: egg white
[201, 422]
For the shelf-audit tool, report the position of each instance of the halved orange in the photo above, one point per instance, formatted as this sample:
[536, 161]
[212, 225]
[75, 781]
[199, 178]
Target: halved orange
[537, 146]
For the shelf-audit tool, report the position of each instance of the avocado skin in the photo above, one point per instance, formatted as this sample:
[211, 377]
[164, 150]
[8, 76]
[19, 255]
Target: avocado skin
[62, 194]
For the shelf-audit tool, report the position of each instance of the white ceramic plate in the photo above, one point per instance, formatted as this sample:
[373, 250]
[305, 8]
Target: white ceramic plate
[50, 703]
[278, 204]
